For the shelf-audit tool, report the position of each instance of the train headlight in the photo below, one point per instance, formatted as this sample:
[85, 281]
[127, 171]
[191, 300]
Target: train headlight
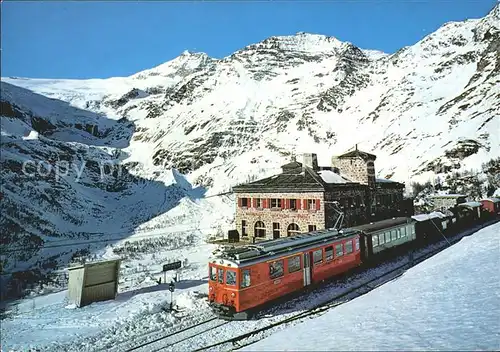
[233, 294]
[211, 288]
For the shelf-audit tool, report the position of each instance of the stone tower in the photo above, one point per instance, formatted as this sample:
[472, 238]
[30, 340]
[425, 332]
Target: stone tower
[357, 166]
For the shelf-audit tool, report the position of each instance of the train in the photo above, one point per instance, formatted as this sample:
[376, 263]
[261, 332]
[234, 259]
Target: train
[244, 279]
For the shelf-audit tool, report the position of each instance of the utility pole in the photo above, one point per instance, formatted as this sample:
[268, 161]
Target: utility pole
[171, 288]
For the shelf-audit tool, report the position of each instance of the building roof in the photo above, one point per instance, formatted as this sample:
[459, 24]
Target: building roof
[385, 183]
[329, 176]
[298, 178]
[385, 180]
[292, 165]
[358, 153]
[448, 196]
[301, 179]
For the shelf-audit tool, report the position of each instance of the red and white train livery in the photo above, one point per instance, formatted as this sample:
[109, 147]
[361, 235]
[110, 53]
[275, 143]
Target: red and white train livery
[249, 276]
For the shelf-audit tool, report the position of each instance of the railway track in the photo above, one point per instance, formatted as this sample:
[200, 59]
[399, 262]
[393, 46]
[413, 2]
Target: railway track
[199, 334]
[245, 339]
[167, 341]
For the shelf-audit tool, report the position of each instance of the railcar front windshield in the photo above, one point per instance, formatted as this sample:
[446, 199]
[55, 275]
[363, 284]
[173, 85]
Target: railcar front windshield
[231, 277]
[213, 273]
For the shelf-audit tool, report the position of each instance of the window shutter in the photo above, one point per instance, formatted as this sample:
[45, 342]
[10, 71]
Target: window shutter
[305, 204]
[269, 202]
[283, 203]
[254, 203]
[239, 202]
[264, 203]
[287, 203]
[317, 204]
[249, 202]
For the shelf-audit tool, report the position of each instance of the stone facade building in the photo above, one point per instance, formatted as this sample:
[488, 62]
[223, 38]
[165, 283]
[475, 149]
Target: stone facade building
[304, 197]
[447, 201]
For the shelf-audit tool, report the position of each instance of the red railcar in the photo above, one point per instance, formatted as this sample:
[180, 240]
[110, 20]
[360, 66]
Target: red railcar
[244, 278]
[492, 205]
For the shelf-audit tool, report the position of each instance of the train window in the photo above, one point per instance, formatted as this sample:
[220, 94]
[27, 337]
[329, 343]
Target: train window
[375, 241]
[329, 253]
[387, 237]
[245, 278]
[394, 235]
[339, 250]
[213, 273]
[220, 274]
[381, 238]
[231, 277]
[276, 269]
[318, 256]
[356, 242]
[348, 247]
[403, 232]
[294, 264]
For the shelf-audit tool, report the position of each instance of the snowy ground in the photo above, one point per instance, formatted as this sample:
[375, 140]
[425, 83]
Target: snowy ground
[40, 321]
[421, 295]
[449, 302]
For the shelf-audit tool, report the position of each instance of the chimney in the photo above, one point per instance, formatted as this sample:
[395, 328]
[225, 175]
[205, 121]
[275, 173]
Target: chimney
[310, 160]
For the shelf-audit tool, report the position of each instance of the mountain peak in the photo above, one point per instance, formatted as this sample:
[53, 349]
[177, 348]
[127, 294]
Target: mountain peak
[300, 42]
[495, 12]
[188, 53]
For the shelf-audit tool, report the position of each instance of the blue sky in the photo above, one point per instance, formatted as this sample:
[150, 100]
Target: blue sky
[85, 39]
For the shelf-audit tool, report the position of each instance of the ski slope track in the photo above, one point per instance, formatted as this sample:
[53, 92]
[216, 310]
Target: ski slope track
[146, 152]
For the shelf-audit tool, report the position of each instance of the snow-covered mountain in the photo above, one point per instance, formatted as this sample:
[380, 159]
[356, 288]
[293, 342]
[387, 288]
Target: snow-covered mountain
[427, 108]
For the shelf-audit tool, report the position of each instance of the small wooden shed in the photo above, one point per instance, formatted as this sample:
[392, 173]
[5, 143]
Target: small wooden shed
[93, 282]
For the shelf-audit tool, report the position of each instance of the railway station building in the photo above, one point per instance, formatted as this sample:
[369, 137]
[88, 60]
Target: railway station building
[302, 197]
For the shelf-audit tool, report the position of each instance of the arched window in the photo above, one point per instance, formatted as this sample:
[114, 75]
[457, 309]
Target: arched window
[293, 229]
[260, 229]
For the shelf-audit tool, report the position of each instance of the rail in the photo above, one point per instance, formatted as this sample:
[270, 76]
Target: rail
[171, 335]
[332, 302]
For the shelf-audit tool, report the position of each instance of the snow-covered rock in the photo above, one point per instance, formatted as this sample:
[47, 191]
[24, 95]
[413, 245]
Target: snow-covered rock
[108, 146]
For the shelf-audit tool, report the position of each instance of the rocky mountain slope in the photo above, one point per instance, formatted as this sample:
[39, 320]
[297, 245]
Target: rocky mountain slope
[429, 108]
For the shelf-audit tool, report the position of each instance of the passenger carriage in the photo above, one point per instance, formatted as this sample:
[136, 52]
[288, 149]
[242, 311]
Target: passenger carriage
[385, 237]
[244, 278]
[491, 205]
